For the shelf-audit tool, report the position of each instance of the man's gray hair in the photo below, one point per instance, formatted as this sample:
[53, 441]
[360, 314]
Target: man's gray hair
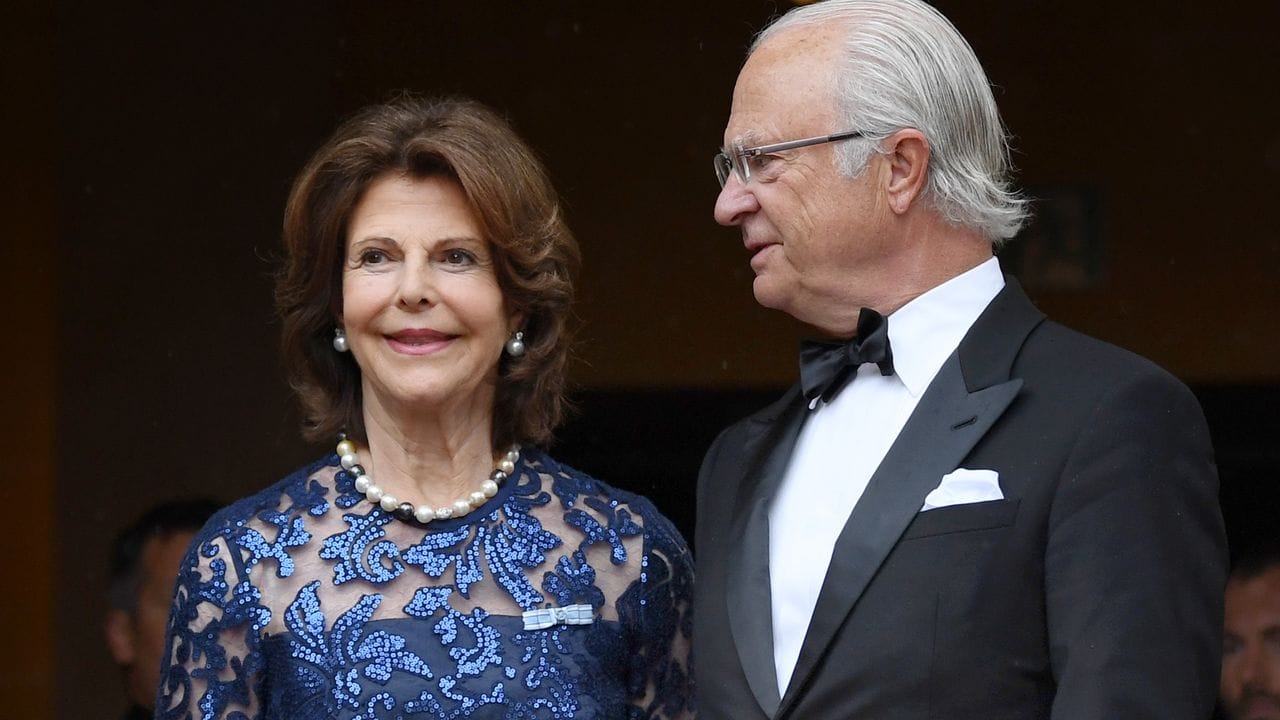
[906, 66]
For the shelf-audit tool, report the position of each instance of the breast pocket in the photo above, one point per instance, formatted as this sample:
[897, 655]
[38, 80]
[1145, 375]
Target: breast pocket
[963, 518]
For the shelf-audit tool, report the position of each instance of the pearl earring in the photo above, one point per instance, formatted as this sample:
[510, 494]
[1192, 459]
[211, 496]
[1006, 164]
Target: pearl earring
[340, 340]
[515, 346]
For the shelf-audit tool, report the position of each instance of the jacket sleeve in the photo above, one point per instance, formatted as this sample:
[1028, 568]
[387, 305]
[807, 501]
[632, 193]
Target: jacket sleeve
[1135, 560]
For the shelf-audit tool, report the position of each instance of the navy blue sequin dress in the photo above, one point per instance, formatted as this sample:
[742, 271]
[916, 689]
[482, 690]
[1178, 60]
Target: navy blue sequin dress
[307, 601]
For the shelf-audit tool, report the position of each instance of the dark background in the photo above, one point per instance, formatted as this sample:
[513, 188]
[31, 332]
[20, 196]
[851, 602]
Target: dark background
[151, 149]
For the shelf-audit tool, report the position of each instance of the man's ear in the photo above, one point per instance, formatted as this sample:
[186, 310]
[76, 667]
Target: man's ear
[119, 632]
[907, 160]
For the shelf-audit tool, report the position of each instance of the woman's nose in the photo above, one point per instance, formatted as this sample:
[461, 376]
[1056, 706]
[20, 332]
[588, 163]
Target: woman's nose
[417, 285]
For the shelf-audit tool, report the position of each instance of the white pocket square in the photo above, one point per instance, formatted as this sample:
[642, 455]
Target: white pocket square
[962, 487]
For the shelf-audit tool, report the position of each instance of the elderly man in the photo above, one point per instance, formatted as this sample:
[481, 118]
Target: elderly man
[1251, 647]
[963, 510]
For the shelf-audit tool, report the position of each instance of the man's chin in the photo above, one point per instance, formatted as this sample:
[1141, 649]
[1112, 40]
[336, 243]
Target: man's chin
[768, 294]
[1256, 707]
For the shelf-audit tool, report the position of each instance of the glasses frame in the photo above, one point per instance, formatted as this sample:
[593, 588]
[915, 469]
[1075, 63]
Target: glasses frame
[737, 162]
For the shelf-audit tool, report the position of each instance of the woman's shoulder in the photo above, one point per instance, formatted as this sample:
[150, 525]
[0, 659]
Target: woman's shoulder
[642, 546]
[575, 489]
[309, 489]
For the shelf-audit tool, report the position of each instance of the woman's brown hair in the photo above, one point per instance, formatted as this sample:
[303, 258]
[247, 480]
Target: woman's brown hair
[535, 255]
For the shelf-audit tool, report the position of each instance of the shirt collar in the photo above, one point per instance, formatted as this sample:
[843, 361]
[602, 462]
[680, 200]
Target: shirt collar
[925, 331]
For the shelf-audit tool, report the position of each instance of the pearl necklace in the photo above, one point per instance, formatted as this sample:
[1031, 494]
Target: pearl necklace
[424, 513]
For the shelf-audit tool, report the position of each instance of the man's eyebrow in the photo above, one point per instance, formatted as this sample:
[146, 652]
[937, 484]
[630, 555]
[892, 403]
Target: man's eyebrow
[746, 138]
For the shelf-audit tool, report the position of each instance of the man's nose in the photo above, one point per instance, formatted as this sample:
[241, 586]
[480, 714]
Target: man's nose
[1256, 668]
[734, 202]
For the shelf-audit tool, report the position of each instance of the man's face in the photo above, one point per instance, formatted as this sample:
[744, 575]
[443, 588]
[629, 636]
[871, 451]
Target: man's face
[815, 237]
[1251, 647]
[137, 639]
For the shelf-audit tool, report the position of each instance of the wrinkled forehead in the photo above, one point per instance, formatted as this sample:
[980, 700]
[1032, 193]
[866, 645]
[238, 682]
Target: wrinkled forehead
[786, 89]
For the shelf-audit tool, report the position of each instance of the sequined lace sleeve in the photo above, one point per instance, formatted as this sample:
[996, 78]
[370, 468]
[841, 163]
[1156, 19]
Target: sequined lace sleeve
[659, 607]
[214, 666]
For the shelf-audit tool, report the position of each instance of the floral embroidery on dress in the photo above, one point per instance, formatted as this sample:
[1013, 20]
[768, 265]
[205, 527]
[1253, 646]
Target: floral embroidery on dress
[361, 551]
[290, 533]
[305, 601]
[335, 656]
[573, 582]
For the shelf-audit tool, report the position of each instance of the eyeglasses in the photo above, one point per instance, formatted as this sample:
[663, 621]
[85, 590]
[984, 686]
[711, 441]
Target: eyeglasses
[739, 161]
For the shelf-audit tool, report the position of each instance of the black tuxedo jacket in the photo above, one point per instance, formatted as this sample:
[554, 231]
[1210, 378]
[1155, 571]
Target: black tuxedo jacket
[1092, 590]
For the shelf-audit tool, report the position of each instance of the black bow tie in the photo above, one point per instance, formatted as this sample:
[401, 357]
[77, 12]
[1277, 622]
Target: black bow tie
[826, 367]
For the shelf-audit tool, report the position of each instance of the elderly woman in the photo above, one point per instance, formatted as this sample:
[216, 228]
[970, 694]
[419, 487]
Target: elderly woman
[438, 564]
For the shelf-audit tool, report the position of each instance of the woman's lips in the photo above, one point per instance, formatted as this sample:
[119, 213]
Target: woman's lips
[419, 342]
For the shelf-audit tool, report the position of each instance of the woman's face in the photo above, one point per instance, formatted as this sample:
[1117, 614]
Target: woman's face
[421, 306]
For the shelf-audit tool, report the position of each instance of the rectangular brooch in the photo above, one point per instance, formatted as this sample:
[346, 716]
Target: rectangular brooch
[543, 618]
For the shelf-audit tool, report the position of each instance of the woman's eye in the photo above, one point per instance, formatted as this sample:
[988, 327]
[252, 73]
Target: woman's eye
[372, 257]
[458, 257]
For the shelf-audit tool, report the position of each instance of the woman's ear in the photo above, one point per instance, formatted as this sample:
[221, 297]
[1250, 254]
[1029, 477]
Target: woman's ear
[516, 321]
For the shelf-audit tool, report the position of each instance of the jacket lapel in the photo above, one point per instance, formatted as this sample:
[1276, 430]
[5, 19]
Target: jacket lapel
[970, 392]
[748, 598]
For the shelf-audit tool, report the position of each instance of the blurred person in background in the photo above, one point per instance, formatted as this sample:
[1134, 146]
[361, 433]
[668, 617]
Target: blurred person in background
[144, 566]
[1250, 687]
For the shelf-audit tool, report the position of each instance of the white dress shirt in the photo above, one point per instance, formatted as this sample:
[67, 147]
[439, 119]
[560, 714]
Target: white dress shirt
[843, 442]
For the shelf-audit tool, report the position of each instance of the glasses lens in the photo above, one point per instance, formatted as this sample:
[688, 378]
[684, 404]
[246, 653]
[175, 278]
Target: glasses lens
[723, 168]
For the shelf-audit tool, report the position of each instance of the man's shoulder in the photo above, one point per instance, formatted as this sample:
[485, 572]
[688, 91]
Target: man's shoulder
[733, 440]
[1070, 372]
[1055, 347]
[766, 415]
[1045, 352]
